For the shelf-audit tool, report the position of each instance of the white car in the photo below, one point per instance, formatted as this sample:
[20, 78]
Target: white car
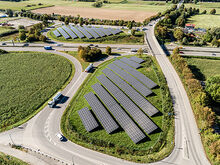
[60, 136]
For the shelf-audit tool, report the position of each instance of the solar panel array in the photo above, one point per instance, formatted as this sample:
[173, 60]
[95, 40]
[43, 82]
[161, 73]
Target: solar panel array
[137, 98]
[56, 33]
[131, 80]
[81, 32]
[131, 63]
[136, 59]
[94, 34]
[101, 113]
[142, 120]
[78, 33]
[123, 119]
[141, 77]
[70, 32]
[88, 119]
[64, 34]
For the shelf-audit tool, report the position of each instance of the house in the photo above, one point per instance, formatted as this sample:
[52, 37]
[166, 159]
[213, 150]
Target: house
[190, 26]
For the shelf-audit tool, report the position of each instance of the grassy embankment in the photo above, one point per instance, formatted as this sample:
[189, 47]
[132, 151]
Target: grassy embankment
[119, 144]
[27, 81]
[121, 38]
[10, 160]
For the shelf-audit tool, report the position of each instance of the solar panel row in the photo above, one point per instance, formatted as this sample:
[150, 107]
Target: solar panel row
[141, 77]
[88, 119]
[143, 121]
[70, 32]
[137, 98]
[89, 36]
[131, 80]
[131, 63]
[107, 32]
[56, 33]
[94, 34]
[136, 59]
[64, 34]
[100, 33]
[123, 119]
[101, 113]
[78, 33]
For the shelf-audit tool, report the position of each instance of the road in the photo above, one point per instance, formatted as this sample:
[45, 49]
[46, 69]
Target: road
[188, 146]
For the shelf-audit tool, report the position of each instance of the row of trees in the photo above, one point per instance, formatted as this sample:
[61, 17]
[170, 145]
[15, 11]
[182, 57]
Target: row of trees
[199, 100]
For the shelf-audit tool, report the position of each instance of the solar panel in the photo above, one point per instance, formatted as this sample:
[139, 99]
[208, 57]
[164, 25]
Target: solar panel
[120, 115]
[56, 33]
[131, 63]
[64, 34]
[101, 113]
[136, 59]
[89, 36]
[107, 32]
[100, 33]
[142, 120]
[78, 33]
[88, 119]
[141, 77]
[131, 80]
[70, 32]
[94, 34]
[114, 31]
[137, 98]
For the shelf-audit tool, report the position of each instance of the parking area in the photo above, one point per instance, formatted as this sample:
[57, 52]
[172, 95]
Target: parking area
[23, 21]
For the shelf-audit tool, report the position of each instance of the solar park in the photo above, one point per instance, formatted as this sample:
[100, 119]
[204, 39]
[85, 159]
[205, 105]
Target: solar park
[78, 32]
[117, 103]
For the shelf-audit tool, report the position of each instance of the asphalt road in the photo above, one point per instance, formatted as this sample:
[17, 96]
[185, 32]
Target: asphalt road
[188, 146]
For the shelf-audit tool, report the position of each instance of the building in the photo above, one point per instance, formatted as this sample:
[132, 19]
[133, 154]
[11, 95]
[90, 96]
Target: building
[190, 26]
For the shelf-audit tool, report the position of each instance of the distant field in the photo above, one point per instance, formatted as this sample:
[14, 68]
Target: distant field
[10, 160]
[27, 81]
[205, 21]
[204, 68]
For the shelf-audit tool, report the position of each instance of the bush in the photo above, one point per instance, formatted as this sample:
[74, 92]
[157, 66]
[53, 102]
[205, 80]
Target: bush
[213, 87]
[3, 51]
[213, 11]
[108, 50]
[97, 4]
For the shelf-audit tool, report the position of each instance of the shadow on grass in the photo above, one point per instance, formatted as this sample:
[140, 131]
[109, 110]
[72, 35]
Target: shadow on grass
[196, 71]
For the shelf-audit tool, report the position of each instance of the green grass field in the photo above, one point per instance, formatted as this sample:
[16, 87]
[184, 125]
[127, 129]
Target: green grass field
[27, 81]
[204, 68]
[4, 29]
[118, 144]
[115, 4]
[10, 160]
[121, 38]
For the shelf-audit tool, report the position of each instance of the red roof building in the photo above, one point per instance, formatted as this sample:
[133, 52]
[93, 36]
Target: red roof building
[190, 26]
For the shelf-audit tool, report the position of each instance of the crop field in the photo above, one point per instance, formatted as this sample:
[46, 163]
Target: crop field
[27, 81]
[121, 38]
[10, 160]
[204, 68]
[117, 144]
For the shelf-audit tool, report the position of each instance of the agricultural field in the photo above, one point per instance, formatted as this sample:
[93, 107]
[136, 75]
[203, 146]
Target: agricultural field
[122, 38]
[27, 81]
[10, 160]
[119, 144]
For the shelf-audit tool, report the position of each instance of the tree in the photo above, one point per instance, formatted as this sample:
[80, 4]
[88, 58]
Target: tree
[213, 87]
[207, 37]
[22, 36]
[130, 25]
[43, 38]
[140, 52]
[132, 32]
[21, 27]
[215, 42]
[213, 11]
[108, 50]
[178, 34]
[9, 12]
[66, 21]
[80, 21]
[185, 41]
[195, 1]
[204, 12]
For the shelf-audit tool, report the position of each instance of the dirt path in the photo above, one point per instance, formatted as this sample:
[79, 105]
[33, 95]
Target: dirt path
[97, 13]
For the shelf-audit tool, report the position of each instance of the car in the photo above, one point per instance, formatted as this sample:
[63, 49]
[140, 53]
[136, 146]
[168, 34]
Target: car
[143, 29]
[134, 50]
[181, 52]
[213, 54]
[150, 25]
[26, 44]
[118, 48]
[96, 45]
[90, 44]
[4, 43]
[48, 47]
[60, 136]
[59, 44]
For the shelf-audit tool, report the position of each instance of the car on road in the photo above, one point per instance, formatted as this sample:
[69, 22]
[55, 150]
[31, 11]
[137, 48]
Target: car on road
[150, 25]
[181, 52]
[59, 44]
[134, 50]
[213, 54]
[90, 44]
[60, 136]
[48, 47]
[118, 48]
[26, 44]
[4, 43]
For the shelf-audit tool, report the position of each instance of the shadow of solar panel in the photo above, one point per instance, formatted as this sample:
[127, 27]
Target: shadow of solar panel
[89, 36]
[143, 121]
[92, 32]
[78, 33]
[131, 63]
[136, 59]
[137, 98]
[100, 33]
[141, 77]
[107, 32]
[120, 115]
[64, 34]
[70, 32]
[88, 119]
[101, 113]
[56, 33]
[131, 80]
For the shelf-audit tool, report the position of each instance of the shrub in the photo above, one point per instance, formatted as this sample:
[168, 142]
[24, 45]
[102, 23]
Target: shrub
[213, 11]
[108, 50]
